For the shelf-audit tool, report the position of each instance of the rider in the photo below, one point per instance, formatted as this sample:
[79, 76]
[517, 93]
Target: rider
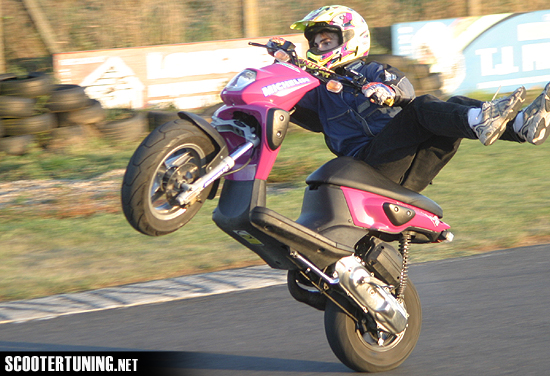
[408, 139]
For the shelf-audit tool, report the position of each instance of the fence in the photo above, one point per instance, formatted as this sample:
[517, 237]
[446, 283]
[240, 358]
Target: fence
[98, 24]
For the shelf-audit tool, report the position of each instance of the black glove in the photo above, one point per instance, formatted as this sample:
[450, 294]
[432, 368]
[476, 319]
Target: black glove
[276, 43]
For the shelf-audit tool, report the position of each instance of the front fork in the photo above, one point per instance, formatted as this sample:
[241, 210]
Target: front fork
[190, 192]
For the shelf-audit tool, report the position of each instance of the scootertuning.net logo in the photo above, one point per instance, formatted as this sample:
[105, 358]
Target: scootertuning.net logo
[72, 363]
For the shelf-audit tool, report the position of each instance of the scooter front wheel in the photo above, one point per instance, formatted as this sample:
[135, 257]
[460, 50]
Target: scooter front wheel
[357, 343]
[173, 154]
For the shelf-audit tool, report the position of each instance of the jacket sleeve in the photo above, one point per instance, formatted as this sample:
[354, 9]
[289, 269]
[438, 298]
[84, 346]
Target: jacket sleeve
[394, 78]
[305, 113]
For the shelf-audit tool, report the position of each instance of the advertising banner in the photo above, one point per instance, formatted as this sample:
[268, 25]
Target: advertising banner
[481, 53]
[187, 76]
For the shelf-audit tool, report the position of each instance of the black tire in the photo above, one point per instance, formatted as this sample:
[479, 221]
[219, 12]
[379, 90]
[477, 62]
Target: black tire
[174, 153]
[7, 76]
[66, 98]
[129, 129]
[30, 125]
[16, 145]
[16, 107]
[303, 292]
[362, 353]
[92, 114]
[35, 84]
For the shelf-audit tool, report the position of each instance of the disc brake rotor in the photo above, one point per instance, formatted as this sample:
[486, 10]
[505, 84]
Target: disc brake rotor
[181, 166]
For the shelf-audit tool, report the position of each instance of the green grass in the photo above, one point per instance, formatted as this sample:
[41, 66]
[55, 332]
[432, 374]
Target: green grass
[71, 249]
[493, 197]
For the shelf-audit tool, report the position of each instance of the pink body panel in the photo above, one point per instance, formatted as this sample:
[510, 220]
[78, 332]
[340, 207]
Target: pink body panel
[263, 158]
[277, 86]
[367, 211]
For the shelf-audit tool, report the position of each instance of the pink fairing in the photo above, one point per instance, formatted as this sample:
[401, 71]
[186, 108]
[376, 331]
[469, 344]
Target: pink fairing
[367, 211]
[263, 157]
[278, 85]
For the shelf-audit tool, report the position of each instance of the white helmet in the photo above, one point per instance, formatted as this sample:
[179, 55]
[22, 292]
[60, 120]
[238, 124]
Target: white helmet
[352, 30]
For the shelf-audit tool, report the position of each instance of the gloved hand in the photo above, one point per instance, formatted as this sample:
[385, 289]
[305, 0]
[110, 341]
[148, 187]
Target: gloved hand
[379, 93]
[277, 43]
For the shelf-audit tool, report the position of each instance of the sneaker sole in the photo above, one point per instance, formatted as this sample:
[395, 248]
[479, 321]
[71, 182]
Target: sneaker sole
[541, 135]
[511, 114]
[542, 129]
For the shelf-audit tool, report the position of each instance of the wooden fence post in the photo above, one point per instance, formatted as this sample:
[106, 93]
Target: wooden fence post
[251, 18]
[474, 7]
[42, 26]
[2, 58]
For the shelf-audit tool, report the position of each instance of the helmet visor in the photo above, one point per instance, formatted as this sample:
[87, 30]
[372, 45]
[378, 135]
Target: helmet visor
[312, 31]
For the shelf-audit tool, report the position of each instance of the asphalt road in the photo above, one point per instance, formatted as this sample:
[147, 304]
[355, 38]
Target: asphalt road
[483, 315]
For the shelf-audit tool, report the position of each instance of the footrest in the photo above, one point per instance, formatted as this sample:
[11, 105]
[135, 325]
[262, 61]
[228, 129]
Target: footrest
[317, 248]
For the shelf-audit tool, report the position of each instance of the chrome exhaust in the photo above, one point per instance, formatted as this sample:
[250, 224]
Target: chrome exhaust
[371, 294]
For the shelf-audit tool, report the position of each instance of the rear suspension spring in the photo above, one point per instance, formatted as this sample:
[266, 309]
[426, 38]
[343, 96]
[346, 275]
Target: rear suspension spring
[404, 245]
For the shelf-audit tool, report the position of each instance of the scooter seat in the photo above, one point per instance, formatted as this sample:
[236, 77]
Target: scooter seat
[349, 172]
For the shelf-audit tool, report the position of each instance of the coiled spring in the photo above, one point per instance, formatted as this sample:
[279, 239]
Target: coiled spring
[404, 244]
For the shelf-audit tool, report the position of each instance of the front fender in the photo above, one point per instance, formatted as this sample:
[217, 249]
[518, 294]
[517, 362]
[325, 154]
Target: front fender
[206, 128]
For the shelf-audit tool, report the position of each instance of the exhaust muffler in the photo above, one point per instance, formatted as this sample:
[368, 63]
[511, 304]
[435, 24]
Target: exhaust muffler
[371, 294]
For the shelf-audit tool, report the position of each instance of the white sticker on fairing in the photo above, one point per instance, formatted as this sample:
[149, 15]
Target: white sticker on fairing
[284, 85]
[435, 219]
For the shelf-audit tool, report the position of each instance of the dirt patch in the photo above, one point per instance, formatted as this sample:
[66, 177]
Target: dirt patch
[63, 198]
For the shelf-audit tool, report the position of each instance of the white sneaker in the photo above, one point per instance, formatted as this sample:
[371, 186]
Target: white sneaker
[536, 119]
[496, 114]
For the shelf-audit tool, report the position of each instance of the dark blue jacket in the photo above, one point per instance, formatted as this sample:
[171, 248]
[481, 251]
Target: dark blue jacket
[348, 120]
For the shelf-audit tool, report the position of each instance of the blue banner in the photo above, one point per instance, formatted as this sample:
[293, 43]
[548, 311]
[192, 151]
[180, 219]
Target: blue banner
[481, 53]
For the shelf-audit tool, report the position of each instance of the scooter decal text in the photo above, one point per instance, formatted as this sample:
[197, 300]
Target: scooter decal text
[280, 86]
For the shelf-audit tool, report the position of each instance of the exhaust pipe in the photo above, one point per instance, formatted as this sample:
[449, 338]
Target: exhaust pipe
[368, 292]
[371, 294]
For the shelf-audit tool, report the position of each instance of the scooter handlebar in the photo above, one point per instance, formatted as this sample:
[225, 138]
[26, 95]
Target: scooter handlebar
[352, 78]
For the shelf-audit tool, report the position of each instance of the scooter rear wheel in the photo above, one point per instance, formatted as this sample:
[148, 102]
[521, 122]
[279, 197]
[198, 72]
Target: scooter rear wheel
[358, 348]
[175, 153]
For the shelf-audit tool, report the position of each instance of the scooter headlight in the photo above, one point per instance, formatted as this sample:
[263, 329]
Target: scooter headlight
[241, 80]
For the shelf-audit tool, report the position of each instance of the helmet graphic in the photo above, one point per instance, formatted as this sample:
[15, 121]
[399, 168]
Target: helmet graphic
[351, 28]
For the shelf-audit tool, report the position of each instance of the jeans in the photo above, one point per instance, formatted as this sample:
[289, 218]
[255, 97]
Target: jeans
[415, 145]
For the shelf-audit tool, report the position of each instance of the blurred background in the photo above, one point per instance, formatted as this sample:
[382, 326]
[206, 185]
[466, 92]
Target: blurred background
[34, 29]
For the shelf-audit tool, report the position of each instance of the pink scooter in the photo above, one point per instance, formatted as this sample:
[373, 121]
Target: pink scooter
[338, 253]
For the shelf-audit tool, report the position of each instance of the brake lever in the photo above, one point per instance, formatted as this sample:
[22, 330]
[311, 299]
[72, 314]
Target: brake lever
[257, 44]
